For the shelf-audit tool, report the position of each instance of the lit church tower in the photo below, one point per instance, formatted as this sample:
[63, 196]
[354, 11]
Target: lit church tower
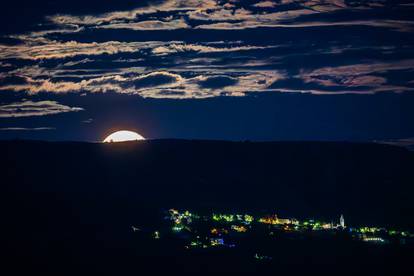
[342, 221]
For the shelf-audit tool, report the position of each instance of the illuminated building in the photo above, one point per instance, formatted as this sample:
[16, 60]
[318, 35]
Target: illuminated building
[369, 230]
[248, 219]
[327, 226]
[177, 228]
[180, 219]
[216, 231]
[342, 221]
[173, 211]
[240, 229]
[373, 239]
[274, 220]
[222, 217]
[216, 242]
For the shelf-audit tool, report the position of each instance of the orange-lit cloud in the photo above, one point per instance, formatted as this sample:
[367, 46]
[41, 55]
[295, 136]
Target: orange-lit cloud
[72, 53]
[30, 109]
[48, 49]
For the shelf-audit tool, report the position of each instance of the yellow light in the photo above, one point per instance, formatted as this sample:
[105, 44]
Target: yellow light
[122, 136]
[239, 229]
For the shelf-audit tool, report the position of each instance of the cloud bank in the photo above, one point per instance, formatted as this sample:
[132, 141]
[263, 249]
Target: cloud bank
[198, 49]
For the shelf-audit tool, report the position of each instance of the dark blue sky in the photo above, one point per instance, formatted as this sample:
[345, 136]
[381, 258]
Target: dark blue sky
[239, 70]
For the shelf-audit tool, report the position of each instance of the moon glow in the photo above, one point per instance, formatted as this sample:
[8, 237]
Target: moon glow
[122, 136]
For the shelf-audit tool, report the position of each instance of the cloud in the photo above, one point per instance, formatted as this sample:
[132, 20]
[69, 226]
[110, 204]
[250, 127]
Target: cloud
[174, 48]
[399, 25]
[265, 4]
[5, 65]
[77, 62]
[358, 77]
[404, 142]
[363, 68]
[242, 18]
[159, 84]
[216, 82]
[150, 25]
[87, 121]
[220, 14]
[26, 128]
[362, 78]
[155, 79]
[173, 15]
[30, 109]
[128, 83]
[46, 49]
[199, 77]
[50, 49]
[87, 54]
[128, 16]
[33, 86]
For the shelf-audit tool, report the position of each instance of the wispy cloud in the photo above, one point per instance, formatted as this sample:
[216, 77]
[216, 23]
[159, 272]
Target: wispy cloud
[154, 84]
[149, 25]
[369, 76]
[198, 49]
[26, 128]
[50, 49]
[216, 15]
[87, 121]
[404, 26]
[404, 142]
[174, 48]
[30, 108]
[265, 4]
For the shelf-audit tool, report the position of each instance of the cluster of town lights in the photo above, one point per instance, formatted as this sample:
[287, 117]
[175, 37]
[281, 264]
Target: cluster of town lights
[219, 229]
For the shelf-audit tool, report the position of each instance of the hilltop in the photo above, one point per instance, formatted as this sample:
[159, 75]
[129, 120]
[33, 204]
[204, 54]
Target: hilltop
[364, 181]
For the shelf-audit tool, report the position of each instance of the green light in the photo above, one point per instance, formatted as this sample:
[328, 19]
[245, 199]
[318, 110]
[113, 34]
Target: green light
[248, 218]
[222, 217]
[178, 228]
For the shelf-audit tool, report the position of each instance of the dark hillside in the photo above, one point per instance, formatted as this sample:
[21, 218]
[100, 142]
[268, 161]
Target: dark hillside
[369, 183]
[67, 208]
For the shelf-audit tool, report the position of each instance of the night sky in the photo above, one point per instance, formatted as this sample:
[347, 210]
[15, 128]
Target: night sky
[234, 70]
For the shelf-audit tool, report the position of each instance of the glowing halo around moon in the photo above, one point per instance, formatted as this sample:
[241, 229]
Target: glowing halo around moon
[123, 136]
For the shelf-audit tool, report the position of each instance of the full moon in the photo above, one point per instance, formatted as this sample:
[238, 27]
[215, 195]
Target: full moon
[122, 136]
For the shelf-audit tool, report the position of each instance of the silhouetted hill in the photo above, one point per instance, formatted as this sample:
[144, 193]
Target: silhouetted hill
[68, 207]
[369, 183]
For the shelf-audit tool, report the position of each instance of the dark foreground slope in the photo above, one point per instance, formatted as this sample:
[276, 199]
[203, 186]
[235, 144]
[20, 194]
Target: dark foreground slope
[69, 204]
[368, 181]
